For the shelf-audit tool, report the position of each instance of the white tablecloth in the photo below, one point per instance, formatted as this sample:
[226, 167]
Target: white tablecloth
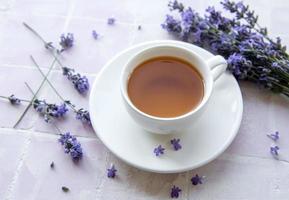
[245, 171]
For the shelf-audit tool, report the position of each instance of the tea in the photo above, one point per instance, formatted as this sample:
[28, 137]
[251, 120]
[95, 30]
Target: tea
[165, 87]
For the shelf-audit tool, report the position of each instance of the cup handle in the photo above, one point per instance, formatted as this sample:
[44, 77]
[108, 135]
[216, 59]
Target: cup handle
[217, 65]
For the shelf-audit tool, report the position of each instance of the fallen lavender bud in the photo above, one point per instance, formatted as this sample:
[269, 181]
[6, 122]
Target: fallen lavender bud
[71, 145]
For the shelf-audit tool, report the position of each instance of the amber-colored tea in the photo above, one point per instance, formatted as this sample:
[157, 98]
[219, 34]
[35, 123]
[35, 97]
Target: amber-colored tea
[165, 87]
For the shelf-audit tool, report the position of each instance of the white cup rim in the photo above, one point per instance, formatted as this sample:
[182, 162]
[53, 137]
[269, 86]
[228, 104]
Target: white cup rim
[207, 92]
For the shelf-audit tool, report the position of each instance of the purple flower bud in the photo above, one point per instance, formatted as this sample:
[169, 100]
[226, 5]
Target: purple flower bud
[95, 35]
[111, 172]
[111, 21]
[176, 144]
[83, 116]
[71, 146]
[175, 192]
[197, 179]
[66, 41]
[159, 150]
[13, 100]
[80, 83]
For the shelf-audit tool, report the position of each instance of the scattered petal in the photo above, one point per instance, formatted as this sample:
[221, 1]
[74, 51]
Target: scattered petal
[274, 136]
[95, 35]
[111, 21]
[159, 150]
[111, 172]
[197, 179]
[274, 151]
[175, 192]
[176, 144]
[66, 41]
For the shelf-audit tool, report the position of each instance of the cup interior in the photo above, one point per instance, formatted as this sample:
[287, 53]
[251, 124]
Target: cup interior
[171, 51]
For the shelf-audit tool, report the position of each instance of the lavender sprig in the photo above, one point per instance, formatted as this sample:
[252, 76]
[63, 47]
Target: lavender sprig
[49, 111]
[14, 100]
[250, 53]
[80, 82]
[81, 114]
[34, 96]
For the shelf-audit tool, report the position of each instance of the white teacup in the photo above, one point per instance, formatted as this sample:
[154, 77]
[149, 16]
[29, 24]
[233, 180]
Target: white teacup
[209, 69]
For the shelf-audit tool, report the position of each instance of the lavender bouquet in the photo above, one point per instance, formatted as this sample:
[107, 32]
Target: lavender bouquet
[251, 54]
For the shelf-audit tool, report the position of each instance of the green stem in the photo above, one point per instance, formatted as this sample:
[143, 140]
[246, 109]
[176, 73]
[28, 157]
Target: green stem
[58, 130]
[54, 53]
[35, 32]
[24, 100]
[34, 96]
[30, 89]
[48, 81]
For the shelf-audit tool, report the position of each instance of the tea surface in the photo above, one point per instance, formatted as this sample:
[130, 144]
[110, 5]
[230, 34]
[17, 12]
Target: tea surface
[165, 87]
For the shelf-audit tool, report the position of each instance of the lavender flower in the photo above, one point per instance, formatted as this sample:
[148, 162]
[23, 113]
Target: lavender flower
[274, 136]
[111, 21]
[172, 25]
[159, 150]
[175, 5]
[13, 100]
[239, 65]
[175, 192]
[66, 41]
[111, 172]
[71, 146]
[59, 111]
[80, 83]
[197, 179]
[274, 150]
[251, 54]
[83, 115]
[40, 105]
[176, 144]
[95, 35]
[49, 110]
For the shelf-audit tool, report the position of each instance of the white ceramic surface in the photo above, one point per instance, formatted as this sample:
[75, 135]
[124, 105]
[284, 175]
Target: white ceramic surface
[210, 135]
[210, 70]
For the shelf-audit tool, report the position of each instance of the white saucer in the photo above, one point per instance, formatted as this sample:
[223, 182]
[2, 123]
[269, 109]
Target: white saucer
[208, 138]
